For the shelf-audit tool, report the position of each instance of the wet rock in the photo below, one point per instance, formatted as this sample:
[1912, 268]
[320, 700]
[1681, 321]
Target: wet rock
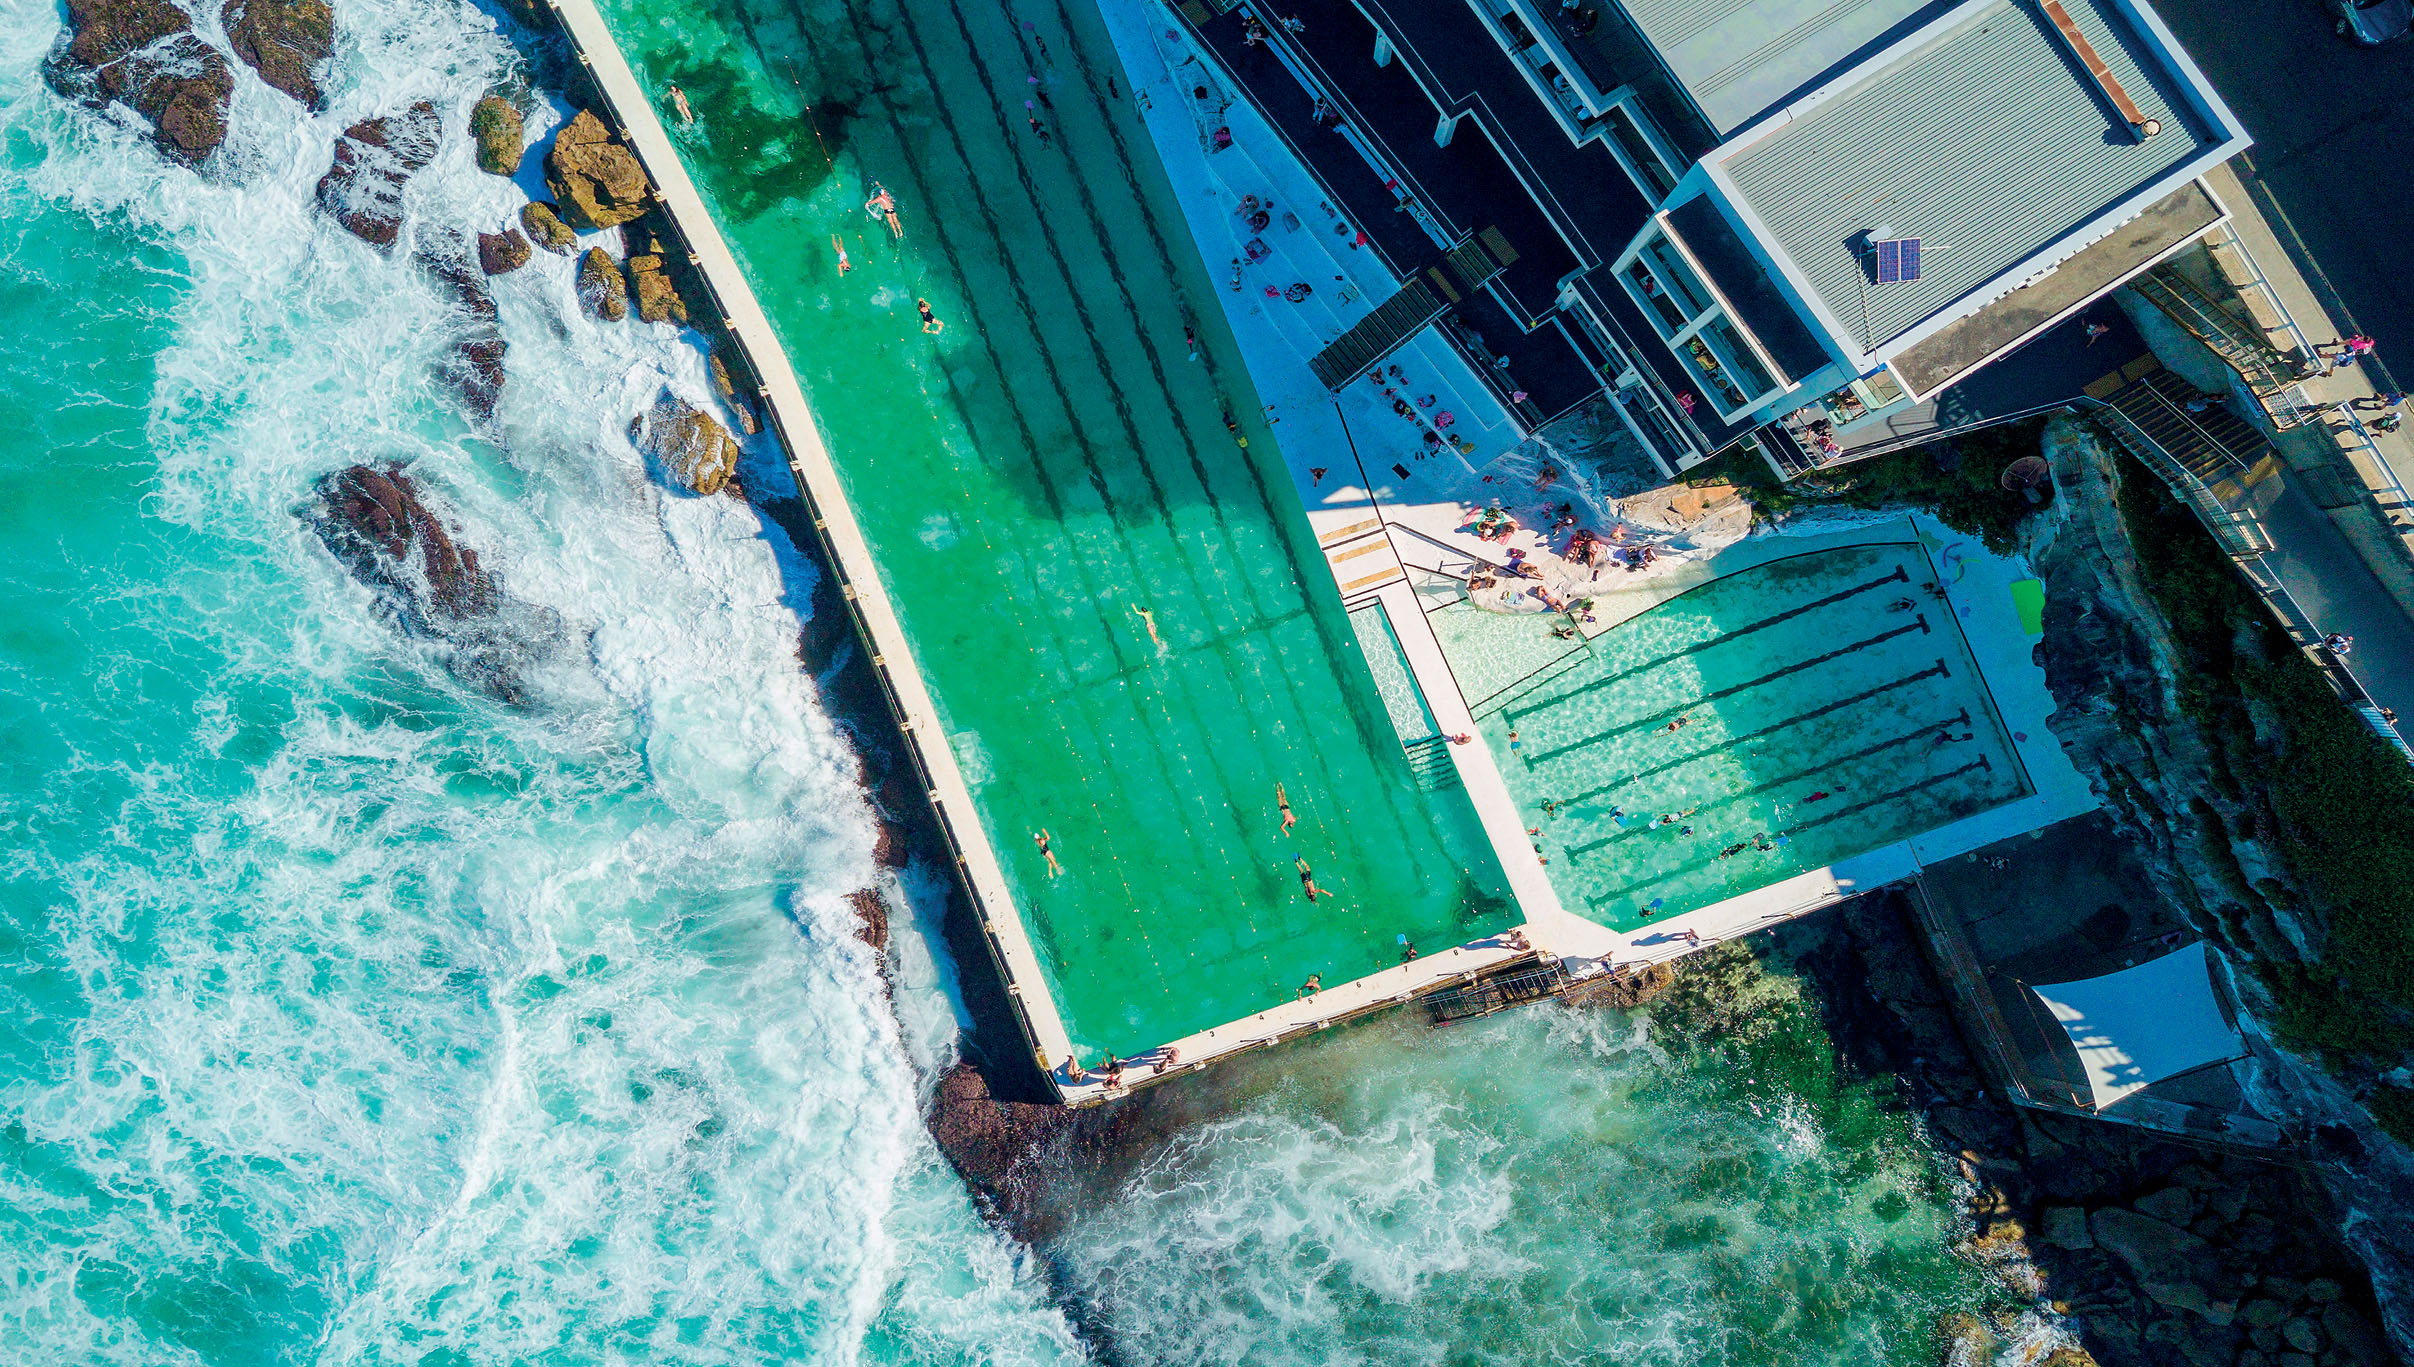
[2303, 1335]
[1964, 1340]
[546, 229]
[374, 160]
[2166, 1263]
[725, 386]
[598, 182]
[2171, 1205]
[377, 524]
[1983, 1128]
[652, 294]
[2066, 1227]
[1625, 988]
[871, 917]
[600, 289]
[2353, 1336]
[2322, 1290]
[143, 55]
[1997, 1239]
[495, 125]
[504, 252]
[2068, 1356]
[2191, 1343]
[474, 370]
[2263, 1314]
[690, 446]
[284, 41]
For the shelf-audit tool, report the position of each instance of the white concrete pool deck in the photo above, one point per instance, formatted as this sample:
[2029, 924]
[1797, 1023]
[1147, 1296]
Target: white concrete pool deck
[1345, 454]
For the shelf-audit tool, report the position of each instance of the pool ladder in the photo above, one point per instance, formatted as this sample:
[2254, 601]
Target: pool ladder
[1429, 760]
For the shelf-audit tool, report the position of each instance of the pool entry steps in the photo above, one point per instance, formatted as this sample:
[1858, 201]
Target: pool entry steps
[1203, 792]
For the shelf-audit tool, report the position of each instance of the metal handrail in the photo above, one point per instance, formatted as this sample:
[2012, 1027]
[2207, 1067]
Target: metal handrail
[2254, 358]
[2241, 534]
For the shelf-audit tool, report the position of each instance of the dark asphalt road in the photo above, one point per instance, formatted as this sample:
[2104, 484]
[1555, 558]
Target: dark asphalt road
[2334, 149]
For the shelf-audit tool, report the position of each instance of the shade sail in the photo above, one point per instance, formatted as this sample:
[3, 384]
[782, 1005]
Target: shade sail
[2143, 1024]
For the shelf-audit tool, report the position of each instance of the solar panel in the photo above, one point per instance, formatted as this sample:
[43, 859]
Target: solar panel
[1897, 259]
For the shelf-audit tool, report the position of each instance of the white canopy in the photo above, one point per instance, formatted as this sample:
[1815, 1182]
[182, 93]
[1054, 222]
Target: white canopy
[2143, 1024]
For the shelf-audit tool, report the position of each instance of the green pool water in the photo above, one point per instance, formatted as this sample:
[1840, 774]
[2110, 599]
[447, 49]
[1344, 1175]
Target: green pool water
[1786, 717]
[1049, 467]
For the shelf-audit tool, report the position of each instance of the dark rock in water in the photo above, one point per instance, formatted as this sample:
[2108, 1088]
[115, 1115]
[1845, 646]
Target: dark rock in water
[374, 159]
[1625, 988]
[546, 229]
[600, 288]
[475, 369]
[379, 527]
[144, 55]
[1036, 1165]
[652, 294]
[725, 385]
[283, 40]
[495, 125]
[871, 917]
[598, 182]
[690, 446]
[687, 443]
[504, 252]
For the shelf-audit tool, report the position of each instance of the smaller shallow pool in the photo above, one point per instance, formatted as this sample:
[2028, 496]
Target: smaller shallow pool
[1769, 723]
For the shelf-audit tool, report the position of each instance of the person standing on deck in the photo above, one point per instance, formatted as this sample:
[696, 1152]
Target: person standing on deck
[1282, 804]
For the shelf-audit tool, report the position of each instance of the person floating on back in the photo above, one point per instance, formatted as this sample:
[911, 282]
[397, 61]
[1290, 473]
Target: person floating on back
[1041, 839]
[687, 116]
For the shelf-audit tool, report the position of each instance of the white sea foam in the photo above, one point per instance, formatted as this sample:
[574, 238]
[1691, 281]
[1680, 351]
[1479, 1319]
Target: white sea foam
[517, 1033]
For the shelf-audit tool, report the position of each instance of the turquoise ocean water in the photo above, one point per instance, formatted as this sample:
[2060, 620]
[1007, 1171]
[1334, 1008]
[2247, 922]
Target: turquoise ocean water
[347, 1016]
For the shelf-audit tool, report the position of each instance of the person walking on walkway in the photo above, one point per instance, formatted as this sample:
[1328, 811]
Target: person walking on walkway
[2339, 644]
[2379, 403]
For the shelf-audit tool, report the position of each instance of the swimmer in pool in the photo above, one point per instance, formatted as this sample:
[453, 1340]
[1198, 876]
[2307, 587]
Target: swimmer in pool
[930, 320]
[1040, 838]
[844, 265]
[1149, 619]
[1307, 879]
[1282, 804]
[687, 116]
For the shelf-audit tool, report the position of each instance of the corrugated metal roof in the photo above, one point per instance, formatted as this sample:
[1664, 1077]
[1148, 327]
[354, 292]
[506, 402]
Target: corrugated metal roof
[1988, 143]
[1738, 58]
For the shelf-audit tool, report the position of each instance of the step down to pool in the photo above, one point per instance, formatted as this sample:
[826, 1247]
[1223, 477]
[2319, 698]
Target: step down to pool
[1429, 759]
[1512, 984]
[1422, 298]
